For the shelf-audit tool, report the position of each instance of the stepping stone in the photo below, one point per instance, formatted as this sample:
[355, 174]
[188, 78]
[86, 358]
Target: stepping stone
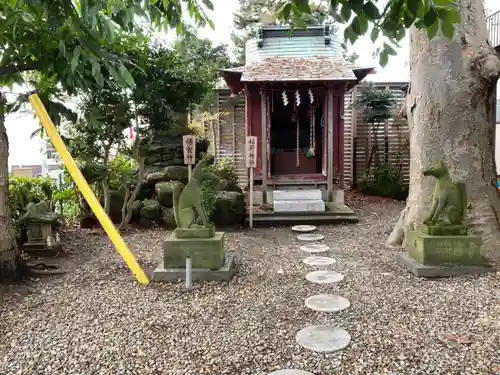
[327, 303]
[310, 237]
[304, 228]
[323, 338]
[315, 248]
[324, 277]
[290, 372]
[319, 261]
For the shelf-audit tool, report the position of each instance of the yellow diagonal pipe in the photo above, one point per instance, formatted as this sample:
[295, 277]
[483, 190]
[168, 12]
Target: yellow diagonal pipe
[86, 191]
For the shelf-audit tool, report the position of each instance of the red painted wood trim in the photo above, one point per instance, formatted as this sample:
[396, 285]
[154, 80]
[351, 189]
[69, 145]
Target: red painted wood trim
[247, 113]
[335, 136]
[255, 129]
[268, 133]
[341, 141]
[325, 135]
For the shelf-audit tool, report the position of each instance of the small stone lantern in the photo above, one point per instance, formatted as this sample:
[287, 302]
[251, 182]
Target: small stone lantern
[40, 223]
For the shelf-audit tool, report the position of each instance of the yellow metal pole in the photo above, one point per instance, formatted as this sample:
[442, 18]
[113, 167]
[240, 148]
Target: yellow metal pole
[86, 191]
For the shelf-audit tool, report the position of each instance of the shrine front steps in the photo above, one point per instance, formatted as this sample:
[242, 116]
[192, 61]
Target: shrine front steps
[303, 200]
[335, 213]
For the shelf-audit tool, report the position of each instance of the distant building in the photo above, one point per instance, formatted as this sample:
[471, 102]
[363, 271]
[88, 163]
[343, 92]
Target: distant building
[33, 170]
[50, 165]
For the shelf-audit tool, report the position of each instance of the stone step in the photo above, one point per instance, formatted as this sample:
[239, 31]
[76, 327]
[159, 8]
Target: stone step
[323, 338]
[312, 205]
[309, 237]
[327, 303]
[292, 195]
[319, 261]
[324, 277]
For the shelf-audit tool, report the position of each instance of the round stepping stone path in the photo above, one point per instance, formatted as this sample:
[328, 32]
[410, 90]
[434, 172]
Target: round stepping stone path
[319, 261]
[315, 248]
[304, 228]
[323, 338]
[324, 277]
[290, 372]
[310, 237]
[327, 303]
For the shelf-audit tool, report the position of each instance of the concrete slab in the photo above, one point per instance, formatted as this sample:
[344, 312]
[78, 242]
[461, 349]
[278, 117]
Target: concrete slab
[291, 195]
[323, 338]
[327, 303]
[198, 274]
[310, 205]
[324, 277]
[315, 248]
[318, 261]
[434, 271]
[310, 237]
[304, 228]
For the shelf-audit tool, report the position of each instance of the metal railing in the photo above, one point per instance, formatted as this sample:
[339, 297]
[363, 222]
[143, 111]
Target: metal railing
[493, 25]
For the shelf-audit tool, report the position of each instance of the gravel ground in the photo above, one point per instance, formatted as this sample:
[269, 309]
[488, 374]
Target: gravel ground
[97, 320]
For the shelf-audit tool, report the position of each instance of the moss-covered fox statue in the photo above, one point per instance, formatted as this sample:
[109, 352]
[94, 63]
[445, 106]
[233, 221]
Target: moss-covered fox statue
[449, 201]
[187, 199]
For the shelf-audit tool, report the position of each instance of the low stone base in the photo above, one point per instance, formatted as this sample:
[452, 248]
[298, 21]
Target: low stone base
[197, 274]
[443, 230]
[437, 250]
[41, 248]
[434, 271]
[201, 232]
[204, 252]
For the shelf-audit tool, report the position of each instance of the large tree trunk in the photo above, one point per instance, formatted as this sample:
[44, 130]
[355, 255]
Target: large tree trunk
[9, 254]
[450, 114]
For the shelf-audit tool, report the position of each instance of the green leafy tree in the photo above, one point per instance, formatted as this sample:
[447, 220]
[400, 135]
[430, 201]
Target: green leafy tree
[450, 102]
[107, 113]
[203, 59]
[254, 12]
[78, 44]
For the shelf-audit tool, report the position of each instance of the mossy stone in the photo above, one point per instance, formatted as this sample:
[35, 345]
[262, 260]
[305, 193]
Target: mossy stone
[151, 210]
[229, 208]
[168, 218]
[205, 253]
[164, 192]
[445, 250]
[228, 185]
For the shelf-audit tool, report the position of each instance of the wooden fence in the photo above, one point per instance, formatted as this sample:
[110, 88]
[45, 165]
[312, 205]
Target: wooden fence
[390, 138]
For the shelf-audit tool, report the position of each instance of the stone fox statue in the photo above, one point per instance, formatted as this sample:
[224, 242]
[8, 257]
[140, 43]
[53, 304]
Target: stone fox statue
[187, 200]
[449, 200]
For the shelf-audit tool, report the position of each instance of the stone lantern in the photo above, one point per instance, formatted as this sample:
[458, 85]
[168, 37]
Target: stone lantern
[40, 224]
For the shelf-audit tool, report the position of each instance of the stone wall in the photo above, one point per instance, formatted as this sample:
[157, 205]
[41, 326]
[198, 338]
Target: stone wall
[167, 151]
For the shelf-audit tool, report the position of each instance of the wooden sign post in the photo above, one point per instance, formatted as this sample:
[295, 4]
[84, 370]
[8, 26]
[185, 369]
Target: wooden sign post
[189, 148]
[251, 156]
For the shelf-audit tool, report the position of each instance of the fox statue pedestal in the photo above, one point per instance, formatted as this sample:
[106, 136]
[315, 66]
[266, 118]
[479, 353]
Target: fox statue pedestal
[442, 246]
[201, 243]
[209, 260]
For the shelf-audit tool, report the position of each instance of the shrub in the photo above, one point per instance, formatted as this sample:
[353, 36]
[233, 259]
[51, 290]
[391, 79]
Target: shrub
[383, 181]
[225, 170]
[208, 197]
[23, 190]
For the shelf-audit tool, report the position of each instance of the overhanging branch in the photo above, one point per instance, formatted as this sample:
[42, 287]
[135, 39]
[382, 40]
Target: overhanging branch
[11, 69]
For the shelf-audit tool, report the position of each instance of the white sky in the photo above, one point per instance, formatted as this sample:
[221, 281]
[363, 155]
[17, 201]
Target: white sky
[23, 150]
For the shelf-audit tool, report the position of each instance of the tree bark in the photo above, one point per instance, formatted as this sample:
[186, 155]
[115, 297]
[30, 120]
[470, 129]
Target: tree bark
[105, 183]
[450, 116]
[9, 254]
[130, 198]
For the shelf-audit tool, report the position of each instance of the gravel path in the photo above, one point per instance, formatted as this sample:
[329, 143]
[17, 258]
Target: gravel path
[96, 320]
